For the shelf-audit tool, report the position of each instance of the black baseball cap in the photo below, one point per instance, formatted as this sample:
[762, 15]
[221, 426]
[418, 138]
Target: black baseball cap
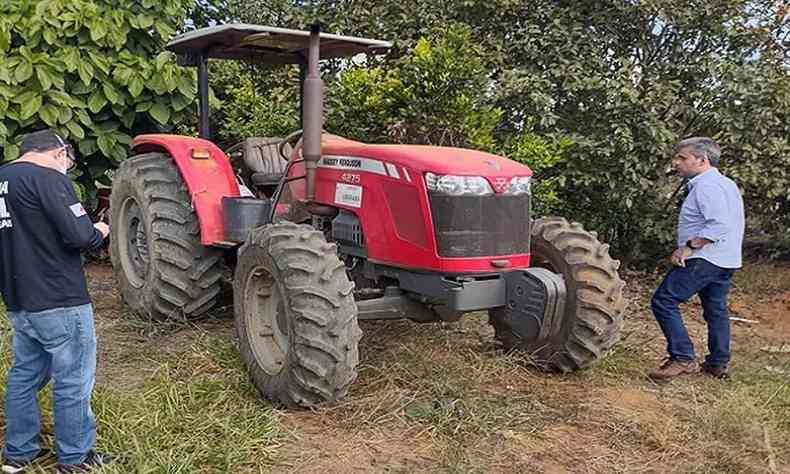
[43, 141]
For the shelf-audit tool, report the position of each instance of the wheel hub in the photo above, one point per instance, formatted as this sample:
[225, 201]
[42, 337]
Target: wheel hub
[133, 242]
[266, 321]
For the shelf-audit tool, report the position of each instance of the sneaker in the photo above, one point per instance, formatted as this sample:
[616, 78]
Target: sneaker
[715, 371]
[12, 466]
[93, 459]
[672, 368]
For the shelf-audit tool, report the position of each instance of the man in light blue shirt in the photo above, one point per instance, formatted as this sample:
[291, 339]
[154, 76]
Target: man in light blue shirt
[710, 238]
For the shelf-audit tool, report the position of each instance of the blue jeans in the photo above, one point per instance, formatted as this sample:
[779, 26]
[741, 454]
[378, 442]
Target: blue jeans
[59, 344]
[712, 283]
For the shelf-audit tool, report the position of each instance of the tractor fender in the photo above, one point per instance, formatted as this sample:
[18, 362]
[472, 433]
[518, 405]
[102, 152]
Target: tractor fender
[208, 175]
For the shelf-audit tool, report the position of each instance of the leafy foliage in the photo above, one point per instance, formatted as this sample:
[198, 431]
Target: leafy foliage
[92, 70]
[618, 82]
[434, 95]
[253, 101]
[592, 95]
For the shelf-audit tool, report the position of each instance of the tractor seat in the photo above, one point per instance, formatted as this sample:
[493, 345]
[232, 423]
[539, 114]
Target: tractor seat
[261, 157]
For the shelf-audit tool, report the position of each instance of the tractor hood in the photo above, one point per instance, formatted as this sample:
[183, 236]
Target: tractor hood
[438, 160]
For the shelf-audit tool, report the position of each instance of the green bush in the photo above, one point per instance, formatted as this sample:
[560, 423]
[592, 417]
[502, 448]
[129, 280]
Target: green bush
[253, 101]
[94, 71]
[546, 158]
[605, 87]
[437, 94]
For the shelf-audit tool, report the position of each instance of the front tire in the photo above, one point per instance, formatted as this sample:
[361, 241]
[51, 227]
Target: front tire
[295, 316]
[594, 301]
[161, 266]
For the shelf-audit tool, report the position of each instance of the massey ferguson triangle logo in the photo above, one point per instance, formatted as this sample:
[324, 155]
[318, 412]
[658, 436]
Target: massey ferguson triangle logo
[500, 184]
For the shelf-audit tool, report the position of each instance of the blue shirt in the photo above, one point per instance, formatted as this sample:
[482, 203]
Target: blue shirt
[713, 210]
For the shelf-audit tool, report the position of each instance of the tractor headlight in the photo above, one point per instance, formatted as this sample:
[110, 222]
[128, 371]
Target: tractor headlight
[458, 185]
[519, 185]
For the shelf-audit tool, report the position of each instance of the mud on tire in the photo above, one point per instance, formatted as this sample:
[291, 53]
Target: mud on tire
[295, 316]
[594, 304]
[161, 266]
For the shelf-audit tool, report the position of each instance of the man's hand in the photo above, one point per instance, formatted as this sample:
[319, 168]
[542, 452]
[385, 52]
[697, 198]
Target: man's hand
[103, 228]
[679, 256]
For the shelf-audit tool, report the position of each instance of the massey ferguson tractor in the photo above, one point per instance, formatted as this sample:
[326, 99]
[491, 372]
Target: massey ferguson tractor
[322, 232]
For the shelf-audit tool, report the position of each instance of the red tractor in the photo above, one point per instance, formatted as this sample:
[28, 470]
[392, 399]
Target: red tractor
[325, 231]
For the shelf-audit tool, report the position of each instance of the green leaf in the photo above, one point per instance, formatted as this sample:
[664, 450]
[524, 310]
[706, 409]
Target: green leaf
[122, 75]
[144, 21]
[50, 36]
[5, 74]
[80, 88]
[12, 114]
[118, 153]
[6, 91]
[41, 9]
[30, 108]
[75, 130]
[105, 144]
[111, 94]
[157, 84]
[108, 126]
[11, 152]
[96, 101]
[180, 102]
[100, 62]
[3, 106]
[44, 77]
[72, 59]
[77, 102]
[164, 30]
[118, 18]
[143, 106]
[3, 130]
[122, 138]
[128, 119]
[26, 96]
[98, 30]
[162, 59]
[65, 115]
[87, 147]
[136, 85]
[49, 114]
[186, 86]
[85, 71]
[23, 71]
[5, 41]
[59, 97]
[160, 113]
[84, 118]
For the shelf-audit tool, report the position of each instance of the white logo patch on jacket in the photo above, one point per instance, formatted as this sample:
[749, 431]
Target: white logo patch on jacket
[77, 210]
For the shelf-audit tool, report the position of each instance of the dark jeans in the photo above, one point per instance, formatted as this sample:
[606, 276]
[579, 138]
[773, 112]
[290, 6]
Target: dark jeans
[712, 283]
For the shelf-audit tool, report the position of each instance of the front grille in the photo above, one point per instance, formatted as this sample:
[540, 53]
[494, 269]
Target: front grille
[481, 226]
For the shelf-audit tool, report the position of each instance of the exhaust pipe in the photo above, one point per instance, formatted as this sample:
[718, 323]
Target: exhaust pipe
[313, 112]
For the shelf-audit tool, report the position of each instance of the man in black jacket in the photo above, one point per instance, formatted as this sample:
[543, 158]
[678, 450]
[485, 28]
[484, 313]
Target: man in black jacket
[43, 229]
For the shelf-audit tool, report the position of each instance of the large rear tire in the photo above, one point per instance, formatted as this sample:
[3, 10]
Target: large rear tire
[161, 266]
[594, 301]
[295, 316]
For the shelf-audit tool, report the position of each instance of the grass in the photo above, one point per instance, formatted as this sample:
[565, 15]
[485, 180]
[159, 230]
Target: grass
[441, 398]
[195, 412]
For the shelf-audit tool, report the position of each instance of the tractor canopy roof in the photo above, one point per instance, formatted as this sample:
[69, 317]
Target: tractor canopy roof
[267, 44]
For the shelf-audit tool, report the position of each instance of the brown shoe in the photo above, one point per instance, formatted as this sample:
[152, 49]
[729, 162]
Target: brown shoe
[715, 371]
[672, 368]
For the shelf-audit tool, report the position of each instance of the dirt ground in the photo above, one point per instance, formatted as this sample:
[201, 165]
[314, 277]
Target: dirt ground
[441, 398]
